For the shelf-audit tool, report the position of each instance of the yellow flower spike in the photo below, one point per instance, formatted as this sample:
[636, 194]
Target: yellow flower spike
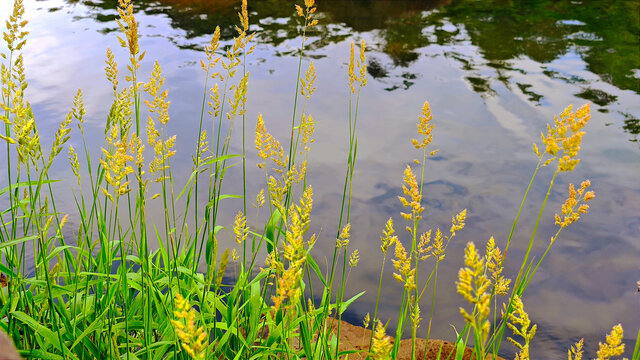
[259, 199]
[425, 128]
[438, 246]
[308, 81]
[210, 51]
[575, 353]
[75, 164]
[413, 197]
[192, 338]
[129, 26]
[352, 76]
[240, 229]
[365, 322]
[402, 263]
[458, 222]
[613, 345]
[306, 204]
[262, 141]
[575, 205]
[424, 249]
[494, 261]
[473, 285]
[525, 329]
[354, 258]
[343, 239]
[536, 150]
[415, 314]
[244, 16]
[309, 3]
[388, 236]
[362, 66]
[562, 141]
[308, 128]
[381, 346]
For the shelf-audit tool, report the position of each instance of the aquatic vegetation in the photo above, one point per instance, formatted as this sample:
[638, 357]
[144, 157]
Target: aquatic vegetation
[100, 291]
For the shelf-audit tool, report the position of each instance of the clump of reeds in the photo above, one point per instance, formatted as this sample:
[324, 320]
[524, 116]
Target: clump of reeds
[104, 293]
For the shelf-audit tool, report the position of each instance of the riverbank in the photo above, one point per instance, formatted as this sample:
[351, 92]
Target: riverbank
[357, 338]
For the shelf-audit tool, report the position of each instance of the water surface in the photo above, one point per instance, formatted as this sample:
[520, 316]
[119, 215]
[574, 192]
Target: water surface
[495, 72]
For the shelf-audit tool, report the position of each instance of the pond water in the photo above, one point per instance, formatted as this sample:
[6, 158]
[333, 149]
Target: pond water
[494, 72]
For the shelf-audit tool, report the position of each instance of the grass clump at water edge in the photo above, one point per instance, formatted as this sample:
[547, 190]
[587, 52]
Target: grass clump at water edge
[106, 294]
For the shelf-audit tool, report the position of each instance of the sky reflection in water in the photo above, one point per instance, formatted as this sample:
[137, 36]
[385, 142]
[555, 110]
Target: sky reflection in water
[494, 74]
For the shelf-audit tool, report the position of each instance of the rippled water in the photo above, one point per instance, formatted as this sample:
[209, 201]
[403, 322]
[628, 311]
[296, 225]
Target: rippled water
[495, 72]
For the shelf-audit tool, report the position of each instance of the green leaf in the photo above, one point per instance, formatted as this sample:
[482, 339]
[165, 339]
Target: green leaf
[314, 266]
[222, 197]
[17, 241]
[95, 325]
[346, 304]
[43, 331]
[219, 158]
[26, 183]
[39, 354]
[271, 230]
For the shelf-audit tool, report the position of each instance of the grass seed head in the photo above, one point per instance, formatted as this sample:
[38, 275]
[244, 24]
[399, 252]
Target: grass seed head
[576, 352]
[388, 237]
[613, 345]
[381, 346]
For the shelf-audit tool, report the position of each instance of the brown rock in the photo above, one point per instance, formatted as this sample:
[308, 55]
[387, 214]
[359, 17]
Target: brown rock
[7, 350]
[357, 338]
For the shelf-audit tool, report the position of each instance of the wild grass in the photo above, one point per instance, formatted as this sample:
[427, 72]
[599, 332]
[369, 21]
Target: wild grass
[105, 293]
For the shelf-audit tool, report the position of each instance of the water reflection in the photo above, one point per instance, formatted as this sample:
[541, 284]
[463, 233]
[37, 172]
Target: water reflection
[503, 32]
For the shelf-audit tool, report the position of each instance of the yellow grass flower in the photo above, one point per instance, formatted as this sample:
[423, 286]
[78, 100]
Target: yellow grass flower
[520, 324]
[308, 128]
[575, 205]
[129, 26]
[494, 260]
[75, 164]
[415, 314]
[438, 246]
[343, 238]
[575, 353]
[562, 141]
[424, 128]
[424, 249]
[192, 338]
[362, 65]
[354, 258]
[308, 81]
[297, 220]
[473, 285]
[388, 236]
[259, 199]
[381, 346]
[116, 166]
[210, 52]
[61, 137]
[352, 75]
[240, 229]
[402, 263]
[15, 36]
[457, 222]
[413, 196]
[111, 70]
[160, 105]
[613, 345]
